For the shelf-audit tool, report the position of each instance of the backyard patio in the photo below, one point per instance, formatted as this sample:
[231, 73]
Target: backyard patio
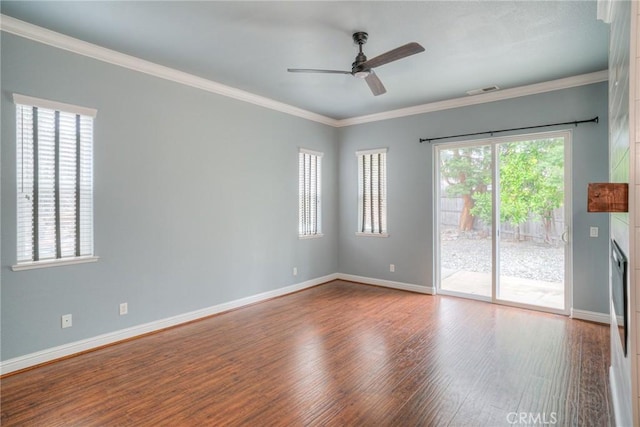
[530, 272]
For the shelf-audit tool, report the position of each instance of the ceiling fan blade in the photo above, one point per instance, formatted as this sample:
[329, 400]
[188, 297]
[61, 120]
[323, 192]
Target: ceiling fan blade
[311, 70]
[375, 84]
[393, 55]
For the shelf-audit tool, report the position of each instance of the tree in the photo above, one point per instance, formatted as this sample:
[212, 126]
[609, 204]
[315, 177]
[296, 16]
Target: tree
[531, 183]
[467, 172]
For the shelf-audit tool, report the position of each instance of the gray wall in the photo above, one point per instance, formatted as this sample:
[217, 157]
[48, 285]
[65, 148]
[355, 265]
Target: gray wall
[410, 186]
[196, 201]
[196, 197]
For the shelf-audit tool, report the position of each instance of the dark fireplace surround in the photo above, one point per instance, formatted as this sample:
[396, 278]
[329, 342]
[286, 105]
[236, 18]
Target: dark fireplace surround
[620, 292]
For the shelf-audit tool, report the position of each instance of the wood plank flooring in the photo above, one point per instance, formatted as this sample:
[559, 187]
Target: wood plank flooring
[334, 355]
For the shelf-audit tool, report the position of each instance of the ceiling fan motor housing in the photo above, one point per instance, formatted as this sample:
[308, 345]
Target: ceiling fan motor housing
[355, 67]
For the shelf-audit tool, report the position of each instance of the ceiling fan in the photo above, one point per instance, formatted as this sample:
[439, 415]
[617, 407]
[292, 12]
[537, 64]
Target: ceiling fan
[363, 68]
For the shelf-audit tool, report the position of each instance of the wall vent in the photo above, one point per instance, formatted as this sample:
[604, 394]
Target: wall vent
[483, 90]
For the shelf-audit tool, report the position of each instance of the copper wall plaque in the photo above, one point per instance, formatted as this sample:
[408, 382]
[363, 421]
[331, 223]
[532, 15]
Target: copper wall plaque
[608, 197]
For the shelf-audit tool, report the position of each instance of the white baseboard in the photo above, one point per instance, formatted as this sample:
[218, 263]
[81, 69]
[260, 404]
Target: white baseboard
[622, 417]
[387, 284]
[591, 316]
[50, 354]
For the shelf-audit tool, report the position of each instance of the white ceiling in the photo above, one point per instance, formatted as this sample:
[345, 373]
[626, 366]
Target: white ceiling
[250, 45]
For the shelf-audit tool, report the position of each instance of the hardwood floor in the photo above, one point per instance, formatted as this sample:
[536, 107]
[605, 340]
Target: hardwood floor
[334, 355]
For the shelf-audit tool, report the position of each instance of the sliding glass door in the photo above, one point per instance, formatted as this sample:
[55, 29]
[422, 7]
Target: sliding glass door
[465, 238]
[502, 211]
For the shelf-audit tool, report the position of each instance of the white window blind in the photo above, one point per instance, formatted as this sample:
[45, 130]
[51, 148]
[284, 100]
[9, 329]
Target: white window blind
[55, 180]
[309, 192]
[372, 192]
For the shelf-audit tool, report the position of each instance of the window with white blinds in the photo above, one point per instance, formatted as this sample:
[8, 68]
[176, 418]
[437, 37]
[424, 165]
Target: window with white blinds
[372, 192]
[55, 180]
[309, 193]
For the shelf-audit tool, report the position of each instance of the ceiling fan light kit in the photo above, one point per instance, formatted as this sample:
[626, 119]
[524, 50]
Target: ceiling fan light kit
[363, 68]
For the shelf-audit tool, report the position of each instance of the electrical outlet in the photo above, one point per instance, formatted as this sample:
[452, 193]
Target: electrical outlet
[295, 271]
[593, 232]
[124, 308]
[67, 321]
[392, 268]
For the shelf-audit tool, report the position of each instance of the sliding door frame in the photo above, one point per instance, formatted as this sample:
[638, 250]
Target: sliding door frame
[567, 134]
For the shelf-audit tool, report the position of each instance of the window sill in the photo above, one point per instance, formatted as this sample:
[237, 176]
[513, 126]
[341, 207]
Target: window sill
[53, 263]
[360, 234]
[309, 236]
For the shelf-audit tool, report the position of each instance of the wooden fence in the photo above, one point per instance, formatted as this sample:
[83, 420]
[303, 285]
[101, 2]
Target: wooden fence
[533, 229]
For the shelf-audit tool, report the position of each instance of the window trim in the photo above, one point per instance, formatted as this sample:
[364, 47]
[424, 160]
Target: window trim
[54, 105]
[59, 262]
[319, 233]
[368, 234]
[57, 107]
[374, 151]
[359, 233]
[309, 236]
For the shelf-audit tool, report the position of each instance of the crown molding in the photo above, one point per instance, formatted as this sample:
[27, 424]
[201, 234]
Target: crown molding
[60, 41]
[566, 83]
[52, 38]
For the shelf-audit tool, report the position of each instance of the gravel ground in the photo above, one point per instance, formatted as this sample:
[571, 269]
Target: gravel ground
[517, 259]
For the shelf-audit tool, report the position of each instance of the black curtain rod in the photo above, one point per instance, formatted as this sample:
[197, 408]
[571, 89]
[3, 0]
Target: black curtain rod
[491, 132]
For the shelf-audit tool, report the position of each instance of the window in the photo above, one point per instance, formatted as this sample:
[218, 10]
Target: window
[372, 192]
[309, 193]
[54, 164]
